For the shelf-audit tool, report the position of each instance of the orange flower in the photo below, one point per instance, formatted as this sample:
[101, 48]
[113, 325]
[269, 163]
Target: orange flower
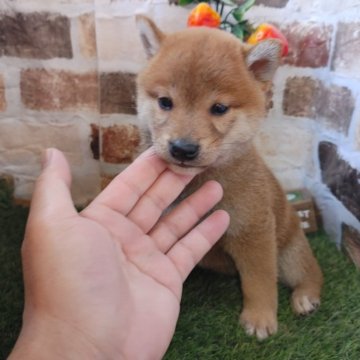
[204, 15]
[267, 31]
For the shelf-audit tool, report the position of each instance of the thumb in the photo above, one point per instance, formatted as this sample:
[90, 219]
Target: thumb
[51, 196]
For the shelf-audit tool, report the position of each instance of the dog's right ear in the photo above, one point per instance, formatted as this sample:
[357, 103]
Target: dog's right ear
[263, 59]
[151, 35]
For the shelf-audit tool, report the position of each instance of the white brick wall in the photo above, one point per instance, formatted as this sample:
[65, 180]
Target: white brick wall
[288, 143]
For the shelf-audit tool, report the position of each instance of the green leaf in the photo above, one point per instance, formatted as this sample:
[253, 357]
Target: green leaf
[238, 14]
[247, 28]
[238, 31]
[185, 2]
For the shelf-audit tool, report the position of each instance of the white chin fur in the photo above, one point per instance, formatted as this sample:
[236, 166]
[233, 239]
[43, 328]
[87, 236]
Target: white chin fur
[185, 170]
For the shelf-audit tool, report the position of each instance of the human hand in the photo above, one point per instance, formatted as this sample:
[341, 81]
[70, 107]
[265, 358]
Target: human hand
[106, 283]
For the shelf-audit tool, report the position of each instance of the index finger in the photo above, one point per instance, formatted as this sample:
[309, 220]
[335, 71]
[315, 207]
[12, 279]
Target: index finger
[125, 189]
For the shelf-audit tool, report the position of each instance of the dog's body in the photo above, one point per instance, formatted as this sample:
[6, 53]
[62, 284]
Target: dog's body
[202, 100]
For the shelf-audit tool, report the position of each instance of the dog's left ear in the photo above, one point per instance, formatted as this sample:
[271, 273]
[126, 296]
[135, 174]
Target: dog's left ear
[151, 35]
[263, 59]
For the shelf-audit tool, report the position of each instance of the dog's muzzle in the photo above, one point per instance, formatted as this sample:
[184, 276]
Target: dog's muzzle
[183, 150]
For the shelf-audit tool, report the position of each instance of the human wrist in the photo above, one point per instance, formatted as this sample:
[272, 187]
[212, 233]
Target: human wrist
[49, 338]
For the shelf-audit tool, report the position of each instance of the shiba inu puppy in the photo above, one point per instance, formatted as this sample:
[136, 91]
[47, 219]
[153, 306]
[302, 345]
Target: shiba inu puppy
[201, 99]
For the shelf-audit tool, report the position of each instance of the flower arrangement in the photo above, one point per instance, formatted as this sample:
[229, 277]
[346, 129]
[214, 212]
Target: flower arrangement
[233, 21]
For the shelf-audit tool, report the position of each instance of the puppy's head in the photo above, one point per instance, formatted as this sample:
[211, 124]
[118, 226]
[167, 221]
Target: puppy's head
[202, 94]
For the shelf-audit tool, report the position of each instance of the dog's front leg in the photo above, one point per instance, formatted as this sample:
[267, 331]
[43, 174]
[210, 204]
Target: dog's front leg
[255, 259]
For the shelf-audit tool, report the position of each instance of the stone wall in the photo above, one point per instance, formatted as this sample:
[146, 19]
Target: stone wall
[312, 134]
[48, 90]
[67, 79]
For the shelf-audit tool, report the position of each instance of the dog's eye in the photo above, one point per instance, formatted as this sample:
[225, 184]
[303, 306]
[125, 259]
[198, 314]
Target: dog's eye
[165, 103]
[219, 109]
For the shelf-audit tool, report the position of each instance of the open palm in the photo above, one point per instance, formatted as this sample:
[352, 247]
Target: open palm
[112, 275]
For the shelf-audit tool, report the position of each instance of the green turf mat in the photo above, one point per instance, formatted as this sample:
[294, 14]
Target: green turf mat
[208, 325]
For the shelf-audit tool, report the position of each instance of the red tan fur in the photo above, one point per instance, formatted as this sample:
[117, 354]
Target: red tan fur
[199, 67]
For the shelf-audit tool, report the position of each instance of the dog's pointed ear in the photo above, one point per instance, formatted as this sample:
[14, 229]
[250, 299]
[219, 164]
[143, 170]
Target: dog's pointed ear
[263, 59]
[151, 35]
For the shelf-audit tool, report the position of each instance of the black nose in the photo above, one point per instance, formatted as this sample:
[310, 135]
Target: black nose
[182, 149]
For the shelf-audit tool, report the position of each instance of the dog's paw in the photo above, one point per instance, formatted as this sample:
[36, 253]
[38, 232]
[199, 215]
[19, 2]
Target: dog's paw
[259, 323]
[303, 304]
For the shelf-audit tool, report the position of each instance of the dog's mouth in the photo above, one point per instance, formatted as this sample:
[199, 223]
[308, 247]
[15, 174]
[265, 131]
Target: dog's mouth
[188, 166]
[184, 168]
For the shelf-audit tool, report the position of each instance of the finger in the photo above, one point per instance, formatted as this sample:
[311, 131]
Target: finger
[51, 195]
[125, 190]
[187, 252]
[161, 194]
[182, 218]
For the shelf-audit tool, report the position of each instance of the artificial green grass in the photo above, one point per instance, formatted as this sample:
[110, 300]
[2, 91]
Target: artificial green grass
[208, 325]
[12, 224]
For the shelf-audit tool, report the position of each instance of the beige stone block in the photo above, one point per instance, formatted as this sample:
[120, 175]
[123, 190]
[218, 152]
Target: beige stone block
[118, 40]
[347, 46]
[38, 35]
[285, 145]
[86, 182]
[328, 7]
[84, 188]
[87, 36]
[22, 143]
[169, 18]
[301, 96]
[20, 139]
[331, 105]
[117, 93]
[289, 179]
[54, 90]
[309, 43]
[24, 160]
[337, 7]
[120, 143]
[335, 108]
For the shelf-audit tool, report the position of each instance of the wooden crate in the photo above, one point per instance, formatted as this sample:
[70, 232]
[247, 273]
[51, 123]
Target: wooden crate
[303, 203]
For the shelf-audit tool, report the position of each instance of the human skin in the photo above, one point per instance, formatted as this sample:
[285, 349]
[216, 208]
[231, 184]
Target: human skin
[99, 282]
